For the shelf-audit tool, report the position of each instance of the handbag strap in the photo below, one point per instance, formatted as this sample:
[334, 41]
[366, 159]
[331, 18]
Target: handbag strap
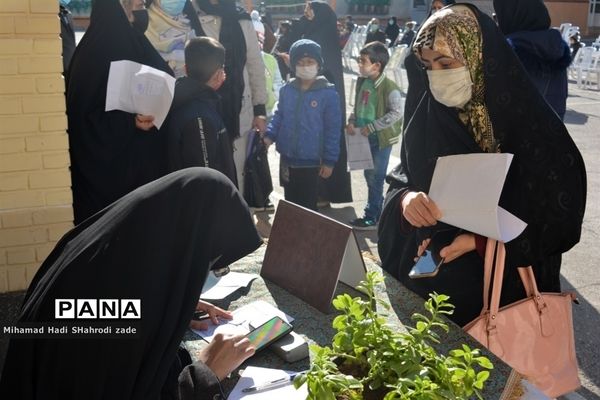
[529, 283]
[490, 249]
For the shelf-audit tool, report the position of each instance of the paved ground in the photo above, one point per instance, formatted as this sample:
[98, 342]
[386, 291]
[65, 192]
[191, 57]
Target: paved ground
[580, 266]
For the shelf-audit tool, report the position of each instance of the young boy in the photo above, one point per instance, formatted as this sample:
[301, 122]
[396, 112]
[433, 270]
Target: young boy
[197, 135]
[306, 126]
[378, 115]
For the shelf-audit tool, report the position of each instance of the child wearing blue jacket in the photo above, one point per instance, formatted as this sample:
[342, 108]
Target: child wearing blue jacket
[306, 126]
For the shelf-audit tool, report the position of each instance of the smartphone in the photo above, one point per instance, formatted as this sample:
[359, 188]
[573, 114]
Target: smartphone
[430, 261]
[265, 334]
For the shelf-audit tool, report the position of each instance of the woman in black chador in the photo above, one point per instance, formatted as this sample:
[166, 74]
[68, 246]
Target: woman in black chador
[469, 93]
[156, 244]
[319, 24]
[112, 152]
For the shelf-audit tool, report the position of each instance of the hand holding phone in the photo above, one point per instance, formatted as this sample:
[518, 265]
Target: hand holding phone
[431, 260]
[267, 333]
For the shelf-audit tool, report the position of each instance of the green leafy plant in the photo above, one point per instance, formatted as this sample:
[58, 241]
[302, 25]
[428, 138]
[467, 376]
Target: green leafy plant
[369, 359]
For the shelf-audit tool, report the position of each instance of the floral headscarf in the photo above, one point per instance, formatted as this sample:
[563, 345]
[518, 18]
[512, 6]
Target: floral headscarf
[454, 32]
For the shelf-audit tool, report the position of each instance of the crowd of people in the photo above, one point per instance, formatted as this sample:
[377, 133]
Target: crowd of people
[473, 88]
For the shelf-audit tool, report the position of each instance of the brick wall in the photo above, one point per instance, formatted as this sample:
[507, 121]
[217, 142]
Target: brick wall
[35, 184]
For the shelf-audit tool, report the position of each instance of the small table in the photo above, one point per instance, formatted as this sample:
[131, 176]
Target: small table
[316, 327]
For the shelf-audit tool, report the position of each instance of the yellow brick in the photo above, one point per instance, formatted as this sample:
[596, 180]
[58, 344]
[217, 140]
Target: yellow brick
[43, 6]
[3, 280]
[7, 25]
[16, 145]
[47, 142]
[51, 85]
[24, 255]
[19, 219]
[41, 252]
[17, 279]
[34, 25]
[10, 6]
[59, 198]
[56, 231]
[15, 46]
[53, 215]
[18, 85]
[21, 124]
[30, 271]
[20, 162]
[40, 65]
[43, 104]
[53, 123]
[56, 179]
[10, 182]
[23, 236]
[47, 46]
[21, 199]
[56, 160]
[9, 105]
[8, 66]
[2, 260]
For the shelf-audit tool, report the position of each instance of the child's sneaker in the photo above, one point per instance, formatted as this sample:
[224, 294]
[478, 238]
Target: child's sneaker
[363, 224]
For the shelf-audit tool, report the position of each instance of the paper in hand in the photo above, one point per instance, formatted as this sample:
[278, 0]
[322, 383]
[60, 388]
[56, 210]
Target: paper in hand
[139, 89]
[358, 151]
[467, 188]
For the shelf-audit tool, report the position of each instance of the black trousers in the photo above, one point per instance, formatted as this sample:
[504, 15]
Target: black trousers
[302, 187]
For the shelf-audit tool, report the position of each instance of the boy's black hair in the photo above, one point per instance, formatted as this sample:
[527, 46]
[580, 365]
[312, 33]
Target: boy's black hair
[377, 53]
[203, 57]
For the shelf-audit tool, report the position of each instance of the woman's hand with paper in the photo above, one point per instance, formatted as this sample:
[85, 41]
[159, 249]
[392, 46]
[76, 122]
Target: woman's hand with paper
[144, 122]
[419, 210]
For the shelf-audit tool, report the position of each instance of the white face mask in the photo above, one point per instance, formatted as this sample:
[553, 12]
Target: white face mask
[307, 73]
[451, 87]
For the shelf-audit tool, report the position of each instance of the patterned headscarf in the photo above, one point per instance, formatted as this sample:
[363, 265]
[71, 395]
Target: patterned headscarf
[454, 32]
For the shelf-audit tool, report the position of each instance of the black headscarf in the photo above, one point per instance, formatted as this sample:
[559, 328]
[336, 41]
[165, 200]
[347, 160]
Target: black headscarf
[232, 38]
[392, 31]
[109, 156]
[521, 15]
[323, 30]
[156, 244]
[545, 186]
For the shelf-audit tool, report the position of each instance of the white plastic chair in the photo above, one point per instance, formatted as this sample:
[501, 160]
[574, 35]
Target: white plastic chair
[584, 64]
[393, 69]
[594, 70]
[563, 28]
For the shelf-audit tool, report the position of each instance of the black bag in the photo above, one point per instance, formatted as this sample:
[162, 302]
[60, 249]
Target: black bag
[257, 175]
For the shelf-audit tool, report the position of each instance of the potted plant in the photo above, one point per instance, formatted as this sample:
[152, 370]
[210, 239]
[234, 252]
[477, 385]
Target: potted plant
[369, 359]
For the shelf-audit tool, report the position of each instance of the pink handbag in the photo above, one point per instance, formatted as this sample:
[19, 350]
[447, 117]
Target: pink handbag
[534, 335]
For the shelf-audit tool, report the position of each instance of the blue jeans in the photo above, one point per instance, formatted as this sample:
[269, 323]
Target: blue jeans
[375, 178]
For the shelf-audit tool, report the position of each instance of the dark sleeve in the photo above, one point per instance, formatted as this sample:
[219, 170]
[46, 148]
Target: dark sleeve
[190, 381]
[198, 146]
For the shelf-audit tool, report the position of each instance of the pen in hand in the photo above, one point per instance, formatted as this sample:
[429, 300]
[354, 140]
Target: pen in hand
[268, 385]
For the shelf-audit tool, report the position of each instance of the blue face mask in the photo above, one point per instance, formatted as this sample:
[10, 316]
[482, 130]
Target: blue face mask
[172, 7]
[64, 2]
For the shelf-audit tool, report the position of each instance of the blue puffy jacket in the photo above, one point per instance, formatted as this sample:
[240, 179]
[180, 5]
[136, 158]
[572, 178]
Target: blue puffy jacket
[307, 125]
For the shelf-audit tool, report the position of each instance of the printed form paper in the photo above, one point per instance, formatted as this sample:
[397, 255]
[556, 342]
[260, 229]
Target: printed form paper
[218, 288]
[139, 89]
[253, 376]
[253, 314]
[359, 151]
[467, 188]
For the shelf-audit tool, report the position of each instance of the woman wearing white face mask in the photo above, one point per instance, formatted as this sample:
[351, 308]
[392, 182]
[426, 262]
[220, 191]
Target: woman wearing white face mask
[468, 93]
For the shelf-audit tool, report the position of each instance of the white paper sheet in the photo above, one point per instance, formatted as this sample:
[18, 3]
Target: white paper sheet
[359, 151]
[218, 288]
[139, 89]
[256, 376]
[253, 314]
[467, 188]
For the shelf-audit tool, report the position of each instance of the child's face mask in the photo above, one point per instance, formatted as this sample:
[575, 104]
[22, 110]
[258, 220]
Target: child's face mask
[307, 72]
[451, 87]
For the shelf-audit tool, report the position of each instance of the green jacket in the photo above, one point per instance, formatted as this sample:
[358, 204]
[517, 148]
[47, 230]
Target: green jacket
[389, 112]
